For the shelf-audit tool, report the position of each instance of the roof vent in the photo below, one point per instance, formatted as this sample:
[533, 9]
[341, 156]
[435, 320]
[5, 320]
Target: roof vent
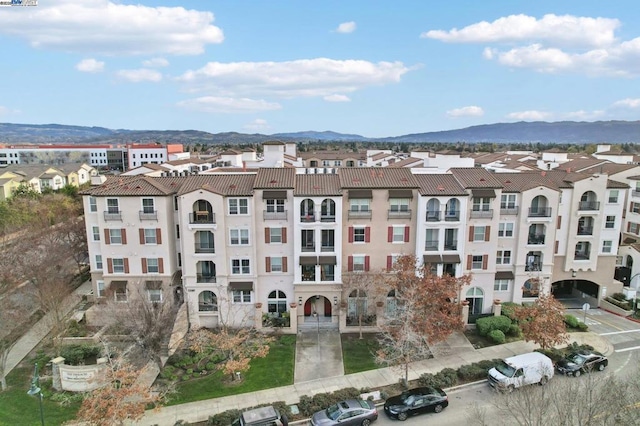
[440, 188]
[232, 186]
[482, 179]
[273, 181]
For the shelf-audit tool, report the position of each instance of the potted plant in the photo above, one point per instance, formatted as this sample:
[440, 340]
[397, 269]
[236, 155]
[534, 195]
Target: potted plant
[258, 305]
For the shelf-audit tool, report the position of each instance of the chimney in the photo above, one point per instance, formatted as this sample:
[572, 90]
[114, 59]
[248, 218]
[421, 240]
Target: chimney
[244, 166]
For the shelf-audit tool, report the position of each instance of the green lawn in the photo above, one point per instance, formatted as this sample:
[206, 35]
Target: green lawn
[273, 371]
[358, 354]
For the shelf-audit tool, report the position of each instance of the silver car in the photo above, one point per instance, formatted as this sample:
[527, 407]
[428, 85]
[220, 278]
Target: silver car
[347, 413]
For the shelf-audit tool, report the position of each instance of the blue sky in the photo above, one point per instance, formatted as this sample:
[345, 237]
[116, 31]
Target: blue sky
[370, 67]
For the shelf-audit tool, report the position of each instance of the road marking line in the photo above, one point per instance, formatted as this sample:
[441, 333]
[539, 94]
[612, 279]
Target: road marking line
[627, 349]
[619, 332]
[619, 369]
[610, 325]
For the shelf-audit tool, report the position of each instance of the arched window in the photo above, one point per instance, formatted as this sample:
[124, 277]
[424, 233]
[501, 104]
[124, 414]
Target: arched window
[629, 262]
[433, 210]
[589, 201]
[539, 207]
[531, 288]
[475, 297]
[277, 302]
[357, 303]
[202, 212]
[207, 301]
[391, 306]
[307, 210]
[452, 210]
[328, 211]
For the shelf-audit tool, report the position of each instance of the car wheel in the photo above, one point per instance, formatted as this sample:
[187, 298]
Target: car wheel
[601, 367]
[366, 422]
[544, 380]
[438, 408]
[402, 416]
[576, 373]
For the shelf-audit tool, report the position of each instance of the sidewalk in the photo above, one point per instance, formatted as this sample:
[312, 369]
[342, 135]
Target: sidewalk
[201, 410]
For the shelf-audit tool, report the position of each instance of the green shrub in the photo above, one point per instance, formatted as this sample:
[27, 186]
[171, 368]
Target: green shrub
[167, 372]
[623, 304]
[443, 379]
[619, 296]
[582, 326]
[471, 372]
[189, 370]
[553, 353]
[66, 398]
[508, 310]
[514, 330]
[487, 324]
[210, 366]
[575, 347]
[488, 364]
[77, 354]
[496, 336]
[186, 377]
[571, 321]
[75, 329]
[225, 418]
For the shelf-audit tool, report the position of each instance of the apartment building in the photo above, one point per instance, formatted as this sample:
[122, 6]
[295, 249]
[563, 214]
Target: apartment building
[237, 246]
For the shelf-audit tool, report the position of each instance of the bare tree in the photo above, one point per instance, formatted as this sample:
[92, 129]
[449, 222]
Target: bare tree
[543, 322]
[74, 240]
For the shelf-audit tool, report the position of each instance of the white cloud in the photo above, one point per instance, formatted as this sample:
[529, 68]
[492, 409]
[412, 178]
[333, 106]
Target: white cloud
[155, 63]
[337, 98]
[90, 65]
[627, 103]
[318, 77]
[346, 27]
[228, 105]
[111, 28]
[468, 111]
[257, 124]
[142, 74]
[529, 115]
[554, 29]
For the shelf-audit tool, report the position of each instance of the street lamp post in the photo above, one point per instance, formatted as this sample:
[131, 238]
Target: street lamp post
[35, 390]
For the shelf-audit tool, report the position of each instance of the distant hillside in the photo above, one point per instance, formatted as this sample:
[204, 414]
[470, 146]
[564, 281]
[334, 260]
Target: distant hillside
[568, 132]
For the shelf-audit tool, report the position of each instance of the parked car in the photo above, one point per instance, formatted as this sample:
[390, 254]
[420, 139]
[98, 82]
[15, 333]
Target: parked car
[520, 370]
[416, 401]
[262, 416]
[582, 362]
[346, 413]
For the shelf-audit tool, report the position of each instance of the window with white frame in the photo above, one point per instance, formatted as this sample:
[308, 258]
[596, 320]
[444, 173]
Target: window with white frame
[481, 204]
[359, 234]
[99, 261]
[147, 205]
[240, 267]
[359, 204]
[275, 235]
[607, 246]
[238, 206]
[399, 204]
[118, 265]
[505, 229]
[275, 206]
[115, 236]
[239, 236]
[613, 196]
[503, 257]
[154, 295]
[501, 285]
[96, 233]
[100, 288]
[277, 302]
[476, 262]
[634, 228]
[241, 296]
[276, 264]
[610, 222]
[93, 205]
[358, 263]
[478, 233]
[337, 163]
[398, 234]
[150, 236]
[153, 265]
[112, 205]
[508, 201]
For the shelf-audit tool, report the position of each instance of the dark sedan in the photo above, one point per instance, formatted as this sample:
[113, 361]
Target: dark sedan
[582, 362]
[416, 401]
[352, 412]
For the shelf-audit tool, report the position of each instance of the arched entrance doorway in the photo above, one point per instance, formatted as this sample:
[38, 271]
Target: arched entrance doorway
[319, 305]
[573, 293]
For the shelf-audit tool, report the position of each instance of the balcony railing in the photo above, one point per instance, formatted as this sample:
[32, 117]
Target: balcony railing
[481, 214]
[356, 214]
[328, 218]
[113, 215]
[309, 247]
[536, 266]
[205, 248]
[589, 205]
[308, 277]
[513, 210]
[579, 255]
[535, 239]
[148, 215]
[205, 278]
[207, 307]
[451, 245]
[267, 215]
[399, 214]
[433, 216]
[452, 216]
[585, 230]
[635, 192]
[431, 245]
[308, 217]
[539, 211]
[328, 248]
[202, 217]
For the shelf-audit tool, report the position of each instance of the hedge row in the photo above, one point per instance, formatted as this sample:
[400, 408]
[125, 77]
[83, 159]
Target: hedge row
[488, 324]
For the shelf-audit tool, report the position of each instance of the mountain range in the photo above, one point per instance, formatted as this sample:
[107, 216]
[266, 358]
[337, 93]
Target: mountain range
[562, 132]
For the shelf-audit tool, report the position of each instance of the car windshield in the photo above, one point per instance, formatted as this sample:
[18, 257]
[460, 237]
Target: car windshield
[505, 369]
[333, 412]
[577, 359]
[408, 399]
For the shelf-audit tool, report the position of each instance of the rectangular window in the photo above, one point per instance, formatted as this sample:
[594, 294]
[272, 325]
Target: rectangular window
[327, 272]
[613, 196]
[481, 204]
[476, 262]
[112, 205]
[399, 204]
[152, 266]
[359, 234]
[150, 236]
[504, 257]
[100, 288]
[240, 267]
[328, 240]
[275, 206]
[398, 234]
[275, 235]
[178, 231]
[431, 239]
[93, 205]
[633, 228]
[359, 205]
[505, 229]
[308, 240]
[96, 233]
[99, 261]
[358, 263]
[155, 295]
[147, 205]
[239, 237]
[115, 236]
[607, 246]
[508, 201]
[241, 296]
[610, 222]
[478, 233]
[501, 285]
[238, 206]
[276, 264]
[118, 266]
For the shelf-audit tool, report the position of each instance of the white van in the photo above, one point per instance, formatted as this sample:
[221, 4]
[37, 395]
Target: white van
[521, 370]
[263, 416]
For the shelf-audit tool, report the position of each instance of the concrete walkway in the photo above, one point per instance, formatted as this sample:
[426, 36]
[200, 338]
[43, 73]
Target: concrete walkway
[318, 355]
[201, 410]
[42, 328]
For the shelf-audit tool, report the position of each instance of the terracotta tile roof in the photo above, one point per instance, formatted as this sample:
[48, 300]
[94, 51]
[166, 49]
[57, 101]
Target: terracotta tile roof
[290, 157]
[275, 177]
[610, 168]
[491, 157]
[636, 177]
[317, 185]
[612, 184]
[230, 185]
[333, 155]
[439, 184]
[408, 162]
[376, 177]
[524, 181]
[380, 156]
[133, 186]
[475, 177]
[186, 161]
[230, 152]
[273, 143]
[580, 164]
[230, 170]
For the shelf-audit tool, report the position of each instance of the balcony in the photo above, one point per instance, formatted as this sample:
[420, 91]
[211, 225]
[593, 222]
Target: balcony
[356, 214]
[539, 211]
[585, 230]
[148, 215]
[308, 218]
[509, 210]
[589, 205]
[452, 216]
[581, 255]
[481, 214]
[327, 248]
[267, 215]
[433, 216]
[399, 214]
[451, 245]
[205, 278]
[113, 215]
[431, 245]
[202, 217]
[535, 240]
[309, 247]
[328, 218]
[204, 248]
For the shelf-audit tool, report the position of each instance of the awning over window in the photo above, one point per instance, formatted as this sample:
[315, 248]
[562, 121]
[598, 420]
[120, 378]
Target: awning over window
[431, 259]
[327, 260]
[400, 193]
[153, 285]
[450, 258]
[241, 285]
[483, 193]
[118, 286]
[308, 260]
[274, 195]
[504, 275]
[360, 193]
